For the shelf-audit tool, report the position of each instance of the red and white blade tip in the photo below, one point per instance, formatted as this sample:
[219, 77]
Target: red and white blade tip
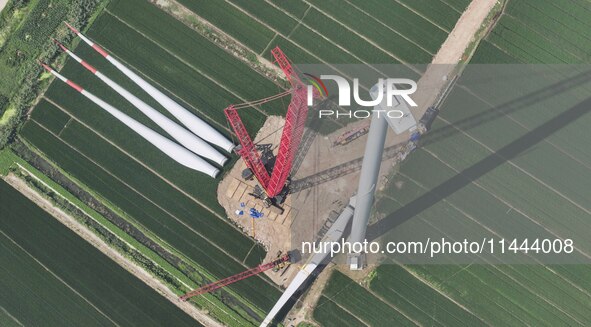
[72, 28]
[47, 68]
[59, 44]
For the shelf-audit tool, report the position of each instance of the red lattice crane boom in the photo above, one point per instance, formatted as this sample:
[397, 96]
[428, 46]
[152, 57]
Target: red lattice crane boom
[295, 120]
[233, 279]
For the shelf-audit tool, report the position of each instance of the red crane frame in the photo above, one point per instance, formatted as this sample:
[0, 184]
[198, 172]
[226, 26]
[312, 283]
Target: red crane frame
[295, 120]
[233, 279]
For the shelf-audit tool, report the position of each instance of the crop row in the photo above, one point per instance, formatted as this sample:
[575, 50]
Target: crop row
[512, 35]
[417, 299]
[455, 226]
[571, 17]
[471, 200]
[487, 53]
[171, 73]
[329, 314]
[436, 11]
[459, 5]
[499, 300]
[551, 28]
[341, 36]
[154, 189]
[519, 191]
[299, 34]
[103, 123]
[541, 161]
[54, 120]
[361, 303]
[303, 36]
[529, 101]
[237, 24]
[393, 15]
[111, 295]
[389, 40]
[148, 214]
[196, 50]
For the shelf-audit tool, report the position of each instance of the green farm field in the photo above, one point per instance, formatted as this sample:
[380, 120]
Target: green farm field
[174, 204]
[50, 276]
[526, 162]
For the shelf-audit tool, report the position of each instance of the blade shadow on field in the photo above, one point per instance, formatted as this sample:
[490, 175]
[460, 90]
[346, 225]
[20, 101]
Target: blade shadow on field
[479, 169]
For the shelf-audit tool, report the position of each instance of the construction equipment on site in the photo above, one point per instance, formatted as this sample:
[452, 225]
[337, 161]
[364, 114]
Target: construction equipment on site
[272, 204]
[295, 119]
[350, 136]
[280, 262]
[427, 120]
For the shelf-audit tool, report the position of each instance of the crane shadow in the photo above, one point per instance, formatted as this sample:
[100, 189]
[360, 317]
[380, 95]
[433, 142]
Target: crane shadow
[506, 108]
[452, 129]
[479, 169]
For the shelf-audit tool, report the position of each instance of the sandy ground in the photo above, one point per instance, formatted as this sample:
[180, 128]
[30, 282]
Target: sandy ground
[442, 68]
[22, 187]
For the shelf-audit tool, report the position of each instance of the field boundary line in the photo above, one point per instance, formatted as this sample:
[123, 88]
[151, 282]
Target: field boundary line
[185, 102]
[197, 70]
[268, 45]
[543, 36]
[389, 27]
[367, 38]
[509, 161]
[391, 305]
[533, 55]
[341, 47]
[142, 164]
[508, 204]
[143, 196]
[425, 282]
[299, 21]
[557, 147]
[158, 206]
[495, 267]
[300, 47]
[450, 6]
[511, 207]
[129, 265]
[311, 29]
[494, 232]
[217, 32]
[160, 241]
[248, 253]
[59, 278]
[70, 202]
[64, 127]
[344, 309]
[445, 295]
[425, 17]
[11, 316]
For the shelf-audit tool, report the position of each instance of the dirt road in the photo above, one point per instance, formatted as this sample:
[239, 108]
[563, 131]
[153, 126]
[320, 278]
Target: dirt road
[443, 67]
[435, 79]
[93, 239]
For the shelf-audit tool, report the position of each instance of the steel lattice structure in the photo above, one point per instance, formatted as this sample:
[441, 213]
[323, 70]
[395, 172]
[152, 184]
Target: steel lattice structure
[295, 120]
[233, 279]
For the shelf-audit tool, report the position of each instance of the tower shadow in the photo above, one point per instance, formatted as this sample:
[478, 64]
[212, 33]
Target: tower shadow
[479, 169]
